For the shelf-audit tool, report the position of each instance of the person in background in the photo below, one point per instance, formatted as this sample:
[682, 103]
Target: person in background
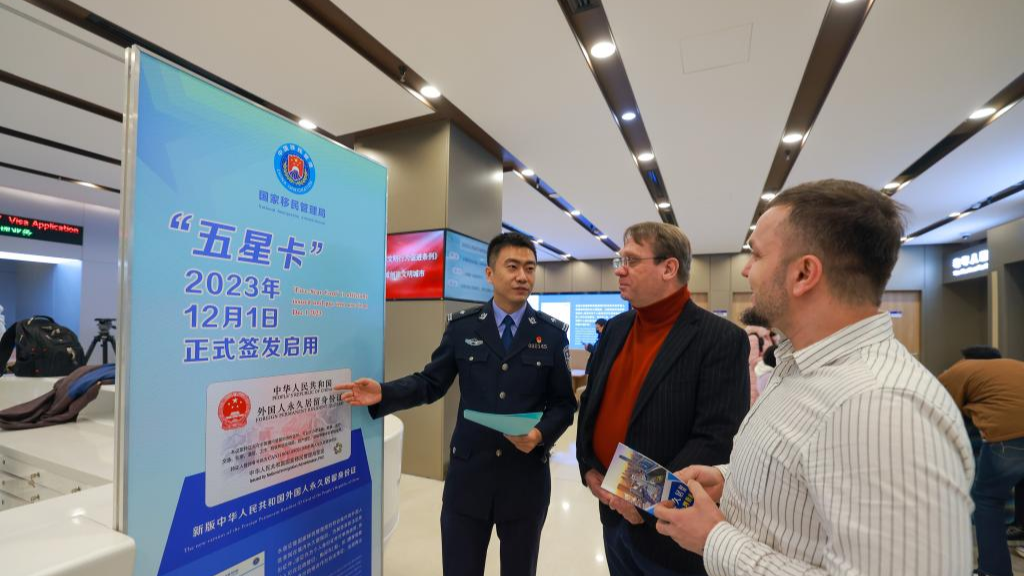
[761, 338]
[668, 380]
[990, 389]
[599, 328]
[854, 461]
[509, 359]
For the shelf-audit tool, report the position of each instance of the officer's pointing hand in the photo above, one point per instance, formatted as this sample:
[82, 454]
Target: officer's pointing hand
[362, 392]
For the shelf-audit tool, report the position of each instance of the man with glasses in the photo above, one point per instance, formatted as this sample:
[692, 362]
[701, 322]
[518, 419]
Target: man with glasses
[668, 380]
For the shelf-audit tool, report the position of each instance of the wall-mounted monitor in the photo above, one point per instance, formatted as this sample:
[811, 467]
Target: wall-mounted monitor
[415, 266]
[465, 261]
[580, 311]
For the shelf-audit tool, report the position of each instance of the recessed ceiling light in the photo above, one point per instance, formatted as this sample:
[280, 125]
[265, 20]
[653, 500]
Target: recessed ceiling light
[430, 91]
[567, 213]
[753, 226]
[906, 239]
[602, 237]
[575, 212]
[792, 138]
[629, 116]
[954, 214]
[746, 246]
[1004, 110]
[527, 172]
[86, 184]
[892, 186]
[768, 196]
[602, 49]
[307, 124]
[566, 255]
[845, 1]
[982, 113]
[903, 184]
[963, 215]
[539, 240]
[664, 205]
[645, 156]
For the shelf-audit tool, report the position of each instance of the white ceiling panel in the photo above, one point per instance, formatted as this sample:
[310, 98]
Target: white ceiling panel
[273, 50]
[38, 157]
[23, 183]
[975, 225]
[917, 70]
[32, 114]
[518, 72]
[546, 222]
[715, 127]
[987, 163]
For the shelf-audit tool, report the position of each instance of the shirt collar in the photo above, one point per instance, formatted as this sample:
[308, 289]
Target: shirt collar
[499, 314]
[871, 330]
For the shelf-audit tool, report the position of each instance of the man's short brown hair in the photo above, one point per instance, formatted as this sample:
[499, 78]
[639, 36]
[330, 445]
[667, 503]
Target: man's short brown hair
[666, 241]
[854, 230]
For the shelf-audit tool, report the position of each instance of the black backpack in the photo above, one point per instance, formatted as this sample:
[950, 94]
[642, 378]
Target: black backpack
[44, 347]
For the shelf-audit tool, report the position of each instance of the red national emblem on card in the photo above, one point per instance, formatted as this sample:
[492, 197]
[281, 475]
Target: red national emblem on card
[233, 410]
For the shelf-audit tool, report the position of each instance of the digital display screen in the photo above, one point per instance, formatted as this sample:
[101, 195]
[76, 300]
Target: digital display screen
[580, 311]
[35, 229]
[415, 265]
[465, 262]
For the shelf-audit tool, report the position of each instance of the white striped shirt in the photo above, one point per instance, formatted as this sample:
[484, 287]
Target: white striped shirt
[854, 460]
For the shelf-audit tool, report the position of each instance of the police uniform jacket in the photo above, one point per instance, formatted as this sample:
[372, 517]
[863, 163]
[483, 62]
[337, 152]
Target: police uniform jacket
[488, 477]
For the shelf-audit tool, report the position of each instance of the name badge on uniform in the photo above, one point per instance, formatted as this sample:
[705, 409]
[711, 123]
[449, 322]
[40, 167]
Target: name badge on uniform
[539, 345]
[474, 341]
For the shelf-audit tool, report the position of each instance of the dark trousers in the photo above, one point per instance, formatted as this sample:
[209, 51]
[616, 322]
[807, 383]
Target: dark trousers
[464, 543]
[1000, 467]
[624, 560]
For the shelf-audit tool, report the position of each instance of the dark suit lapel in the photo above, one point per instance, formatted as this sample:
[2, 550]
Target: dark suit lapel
[487, 329]
[675, 343]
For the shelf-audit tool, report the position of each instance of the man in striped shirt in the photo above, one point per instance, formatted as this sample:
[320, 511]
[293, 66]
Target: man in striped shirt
[854, 460]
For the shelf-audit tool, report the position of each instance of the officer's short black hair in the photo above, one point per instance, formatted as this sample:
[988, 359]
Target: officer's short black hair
[601, 322]
[981, 353]
[508, 239]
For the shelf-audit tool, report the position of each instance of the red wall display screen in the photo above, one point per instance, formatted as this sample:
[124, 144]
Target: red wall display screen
[35, 229]
[415, 265]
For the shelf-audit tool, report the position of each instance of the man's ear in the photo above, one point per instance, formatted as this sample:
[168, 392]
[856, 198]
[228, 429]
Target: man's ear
[808, 272]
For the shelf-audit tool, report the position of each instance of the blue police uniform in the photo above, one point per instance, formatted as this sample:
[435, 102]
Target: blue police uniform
[490, 482]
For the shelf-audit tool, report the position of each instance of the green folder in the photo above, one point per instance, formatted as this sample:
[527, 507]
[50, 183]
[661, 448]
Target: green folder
[511, 424]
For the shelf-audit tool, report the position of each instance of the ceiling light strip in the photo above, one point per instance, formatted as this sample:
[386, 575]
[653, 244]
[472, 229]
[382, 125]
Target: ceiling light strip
[539, 242]
[57, 95]
[57, 145]
[58, 177]
[1008, 97]
[997, 197]
[590, 25]
[839, 30]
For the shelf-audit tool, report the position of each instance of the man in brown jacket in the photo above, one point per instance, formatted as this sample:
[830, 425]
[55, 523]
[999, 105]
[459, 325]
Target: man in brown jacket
[990, 389]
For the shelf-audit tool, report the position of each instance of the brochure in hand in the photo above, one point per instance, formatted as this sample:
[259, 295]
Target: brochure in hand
[643, 482]
[511, 424]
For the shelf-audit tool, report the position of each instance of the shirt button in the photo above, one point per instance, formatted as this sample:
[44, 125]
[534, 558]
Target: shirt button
[538, 363]
[453, 449]
[502, 395]
[498, 452]
[504, 367]
[470, 358]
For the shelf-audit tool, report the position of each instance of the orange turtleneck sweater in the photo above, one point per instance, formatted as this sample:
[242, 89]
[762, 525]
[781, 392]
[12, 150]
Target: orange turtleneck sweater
[650, 328]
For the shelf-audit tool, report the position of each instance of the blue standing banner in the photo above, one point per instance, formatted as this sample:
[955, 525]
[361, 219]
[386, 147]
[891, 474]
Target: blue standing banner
[252, 281]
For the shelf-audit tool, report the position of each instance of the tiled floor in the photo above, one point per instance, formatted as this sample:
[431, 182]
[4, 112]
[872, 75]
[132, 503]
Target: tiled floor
[571, 543]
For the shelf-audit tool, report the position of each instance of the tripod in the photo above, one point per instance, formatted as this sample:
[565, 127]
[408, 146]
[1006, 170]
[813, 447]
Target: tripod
[104, 338]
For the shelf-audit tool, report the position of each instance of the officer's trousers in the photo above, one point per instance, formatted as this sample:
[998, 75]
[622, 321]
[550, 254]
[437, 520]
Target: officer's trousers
[464, 541]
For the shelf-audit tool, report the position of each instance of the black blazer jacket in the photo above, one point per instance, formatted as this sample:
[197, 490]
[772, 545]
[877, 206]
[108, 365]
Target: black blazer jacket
[688, 410]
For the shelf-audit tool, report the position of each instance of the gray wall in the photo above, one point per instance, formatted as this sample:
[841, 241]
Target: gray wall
[1006, 271]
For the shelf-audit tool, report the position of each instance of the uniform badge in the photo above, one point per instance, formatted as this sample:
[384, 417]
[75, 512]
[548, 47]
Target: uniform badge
[565, 352]
[483, 316]
[474, 341]
[539, 345]
[532, 321]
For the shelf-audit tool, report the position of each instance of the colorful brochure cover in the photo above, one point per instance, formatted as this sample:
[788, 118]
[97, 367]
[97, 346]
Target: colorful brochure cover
[511, 424]
[643, 482]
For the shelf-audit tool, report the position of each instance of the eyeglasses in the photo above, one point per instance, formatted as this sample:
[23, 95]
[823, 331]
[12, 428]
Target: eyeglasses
[629, 261]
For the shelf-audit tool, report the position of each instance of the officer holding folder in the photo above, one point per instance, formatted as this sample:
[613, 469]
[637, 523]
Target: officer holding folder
[510, 359]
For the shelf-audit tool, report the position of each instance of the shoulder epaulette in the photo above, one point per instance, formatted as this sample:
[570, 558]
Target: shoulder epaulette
[467, 313]
[553, 321]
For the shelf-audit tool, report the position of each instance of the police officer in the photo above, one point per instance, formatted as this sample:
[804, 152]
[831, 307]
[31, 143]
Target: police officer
[509, 359]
